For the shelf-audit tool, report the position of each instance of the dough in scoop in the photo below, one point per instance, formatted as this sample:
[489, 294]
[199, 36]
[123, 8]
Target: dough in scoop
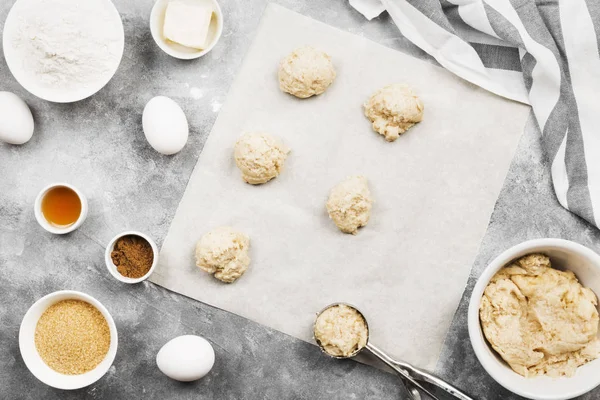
[349, 204]
[341, 331]
[306, 72]
[224, 253]
[393, 110]
[260, 157]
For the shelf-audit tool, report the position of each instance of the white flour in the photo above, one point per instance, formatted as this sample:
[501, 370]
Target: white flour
[67, 43]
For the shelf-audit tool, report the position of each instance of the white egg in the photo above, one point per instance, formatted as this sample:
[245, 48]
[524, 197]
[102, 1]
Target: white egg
[16, 121]
[186, 358]
[165, 125]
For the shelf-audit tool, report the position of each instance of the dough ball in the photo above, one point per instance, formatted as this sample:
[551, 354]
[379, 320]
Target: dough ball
[393, 110]
[349, 204]
[260, 157]
[306, 72]
[224, 253]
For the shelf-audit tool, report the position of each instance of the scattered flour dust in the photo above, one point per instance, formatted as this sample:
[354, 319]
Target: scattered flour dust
[216, 105]
[67, 43]
[196, 93]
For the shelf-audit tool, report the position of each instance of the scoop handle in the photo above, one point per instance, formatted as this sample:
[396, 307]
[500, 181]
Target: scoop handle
[413, 374]
[392, 364]
[434, 380]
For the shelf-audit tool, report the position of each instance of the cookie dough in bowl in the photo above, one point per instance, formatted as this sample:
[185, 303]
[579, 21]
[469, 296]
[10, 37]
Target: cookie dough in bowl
[564, 256]
[540, 320]
[306, 72]
[223, 252]
[260, 157]
[393, 110]
[349, 204]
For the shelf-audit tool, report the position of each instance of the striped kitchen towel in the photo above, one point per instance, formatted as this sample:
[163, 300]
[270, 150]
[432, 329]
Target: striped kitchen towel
[545, 53]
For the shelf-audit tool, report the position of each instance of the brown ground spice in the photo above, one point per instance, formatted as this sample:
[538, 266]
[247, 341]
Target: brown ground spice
[72, 337]
[133, 256]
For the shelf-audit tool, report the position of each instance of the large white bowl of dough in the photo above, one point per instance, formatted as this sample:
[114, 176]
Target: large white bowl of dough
[63, 50]
[533, 319]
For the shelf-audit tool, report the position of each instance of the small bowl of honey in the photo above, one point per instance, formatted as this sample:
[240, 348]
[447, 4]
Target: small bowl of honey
[60, 208]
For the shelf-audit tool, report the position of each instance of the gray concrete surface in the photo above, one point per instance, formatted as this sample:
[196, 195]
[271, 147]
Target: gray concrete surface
[98, 145]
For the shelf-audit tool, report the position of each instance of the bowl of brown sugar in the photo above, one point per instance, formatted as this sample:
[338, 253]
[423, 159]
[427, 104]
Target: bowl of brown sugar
[68, 340]
[131, 257]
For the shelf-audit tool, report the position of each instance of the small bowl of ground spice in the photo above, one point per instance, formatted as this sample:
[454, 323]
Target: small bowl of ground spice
[68, 340]
[131, 257]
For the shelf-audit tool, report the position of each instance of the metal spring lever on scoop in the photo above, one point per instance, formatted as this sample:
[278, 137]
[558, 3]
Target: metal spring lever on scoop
[413, 393]
[413, 374]
[405, 370]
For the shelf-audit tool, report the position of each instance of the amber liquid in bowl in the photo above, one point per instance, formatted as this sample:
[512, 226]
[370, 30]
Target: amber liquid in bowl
[61, 206]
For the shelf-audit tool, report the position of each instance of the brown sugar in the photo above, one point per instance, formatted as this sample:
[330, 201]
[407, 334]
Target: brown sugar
[133, 256]
[72, 337]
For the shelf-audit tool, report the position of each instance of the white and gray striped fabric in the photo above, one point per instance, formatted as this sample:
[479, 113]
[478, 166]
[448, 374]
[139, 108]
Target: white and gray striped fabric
[545, 53]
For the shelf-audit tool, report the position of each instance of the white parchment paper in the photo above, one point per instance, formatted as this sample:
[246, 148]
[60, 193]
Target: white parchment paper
[434, 190]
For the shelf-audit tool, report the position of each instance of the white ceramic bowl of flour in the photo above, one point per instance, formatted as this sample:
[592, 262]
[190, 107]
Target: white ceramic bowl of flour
[63, 50]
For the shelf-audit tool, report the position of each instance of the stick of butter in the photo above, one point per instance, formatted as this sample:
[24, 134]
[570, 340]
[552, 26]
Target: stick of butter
[187, 24]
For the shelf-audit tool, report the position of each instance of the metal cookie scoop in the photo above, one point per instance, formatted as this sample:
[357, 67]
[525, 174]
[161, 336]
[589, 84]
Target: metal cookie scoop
[405, 370]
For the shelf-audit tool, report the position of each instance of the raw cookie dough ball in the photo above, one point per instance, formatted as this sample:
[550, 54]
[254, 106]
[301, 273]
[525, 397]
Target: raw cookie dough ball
[260, 157]
[224, 253]
[349, 204]
[306, 72]
[393, 110]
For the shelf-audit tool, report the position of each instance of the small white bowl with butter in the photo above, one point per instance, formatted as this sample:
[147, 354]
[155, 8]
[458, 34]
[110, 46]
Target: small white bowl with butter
[186, 29]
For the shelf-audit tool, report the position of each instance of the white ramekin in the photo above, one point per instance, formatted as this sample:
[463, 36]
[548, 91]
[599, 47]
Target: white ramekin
[34, 362]
[563, 254]
[112, 268]
[39, 215]
[157, 18]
